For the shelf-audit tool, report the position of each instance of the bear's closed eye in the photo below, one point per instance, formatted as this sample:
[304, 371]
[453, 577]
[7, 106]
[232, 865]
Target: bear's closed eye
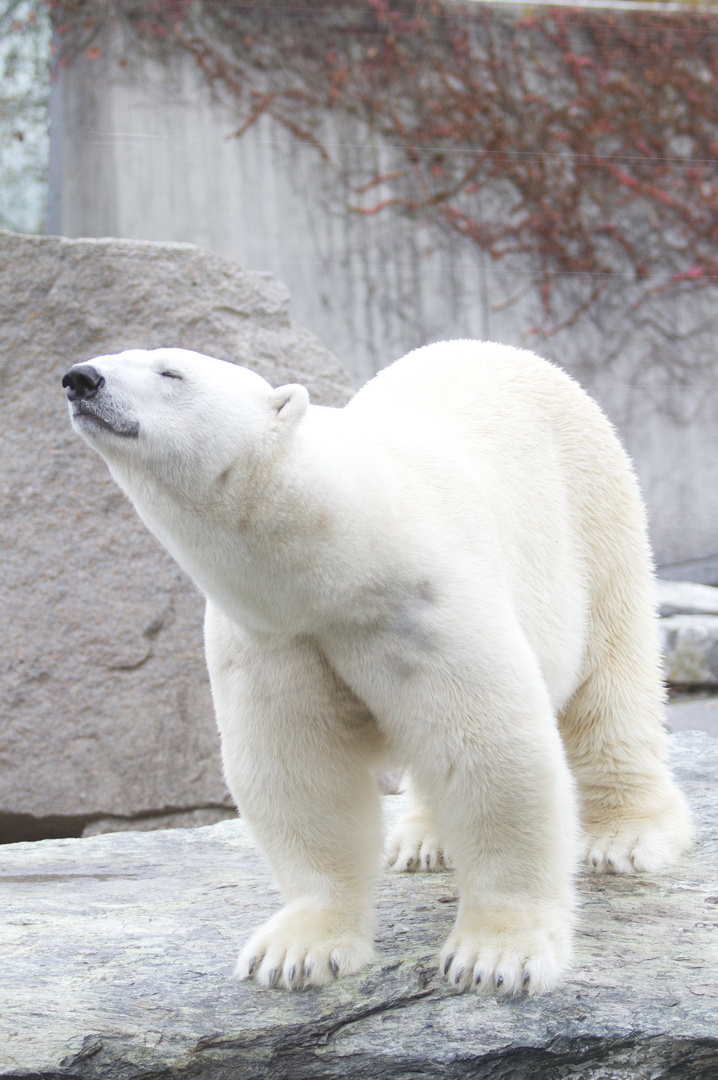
[170, 375]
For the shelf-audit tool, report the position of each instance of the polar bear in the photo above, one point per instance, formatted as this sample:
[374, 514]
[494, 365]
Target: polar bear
[450, 573]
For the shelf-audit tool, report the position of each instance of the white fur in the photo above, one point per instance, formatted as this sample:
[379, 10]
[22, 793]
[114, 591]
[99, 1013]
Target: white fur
[452, 571]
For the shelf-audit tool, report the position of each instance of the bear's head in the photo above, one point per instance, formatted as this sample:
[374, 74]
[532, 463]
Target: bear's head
[179, 419]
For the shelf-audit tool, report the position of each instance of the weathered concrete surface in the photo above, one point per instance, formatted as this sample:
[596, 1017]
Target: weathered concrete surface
[104, 699]
[118, 951]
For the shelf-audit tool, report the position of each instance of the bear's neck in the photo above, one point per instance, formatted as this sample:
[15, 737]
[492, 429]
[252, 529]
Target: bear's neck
[293, 556]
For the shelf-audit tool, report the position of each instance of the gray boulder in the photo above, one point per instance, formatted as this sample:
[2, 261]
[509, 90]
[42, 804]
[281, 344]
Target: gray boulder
[104, 699]
[690, 649]
[118, 954]
[689, 633]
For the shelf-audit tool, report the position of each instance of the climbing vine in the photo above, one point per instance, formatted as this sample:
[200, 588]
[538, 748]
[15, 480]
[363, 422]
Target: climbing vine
[584, 141]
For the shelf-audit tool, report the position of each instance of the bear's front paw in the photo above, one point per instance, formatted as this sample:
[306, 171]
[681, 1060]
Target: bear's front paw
[507, 954]
[413, 846]
[630, 846]
[300, 948]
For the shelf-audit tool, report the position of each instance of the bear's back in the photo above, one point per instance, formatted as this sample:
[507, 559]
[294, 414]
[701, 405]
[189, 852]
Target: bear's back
[547, 443]
[486, 381]
[500, 398]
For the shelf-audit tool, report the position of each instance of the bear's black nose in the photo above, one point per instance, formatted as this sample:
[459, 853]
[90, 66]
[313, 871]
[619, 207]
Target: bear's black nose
[82, 381]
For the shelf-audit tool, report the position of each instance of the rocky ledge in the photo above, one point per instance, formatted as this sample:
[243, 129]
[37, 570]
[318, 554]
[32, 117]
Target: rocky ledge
[118, 954]
[689, 633]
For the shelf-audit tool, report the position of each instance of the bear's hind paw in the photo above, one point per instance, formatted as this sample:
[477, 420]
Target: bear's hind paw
[414, 847]
[298, 949]
[639, 846]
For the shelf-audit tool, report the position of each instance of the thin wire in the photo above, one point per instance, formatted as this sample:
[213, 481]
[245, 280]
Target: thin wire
[127, 138]
[466, 16]
[670, 7]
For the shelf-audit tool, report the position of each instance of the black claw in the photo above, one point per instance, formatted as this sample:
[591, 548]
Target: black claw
[291, 973]
[499, 981]
[477, 978]
[448, 962]
[307, 970]
[459, 975]
[272, 976]
[252, 965]
[335, 966]
[527, 976]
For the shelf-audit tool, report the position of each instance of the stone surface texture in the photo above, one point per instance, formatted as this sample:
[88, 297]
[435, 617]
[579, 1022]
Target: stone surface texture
[180, 819]
[689, 633]
[104, 699]
[118, 953]
[690, 649]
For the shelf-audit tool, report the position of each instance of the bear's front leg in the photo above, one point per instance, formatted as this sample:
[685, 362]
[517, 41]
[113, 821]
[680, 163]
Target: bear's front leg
[478, 734]
[506, 806]
[297, 749]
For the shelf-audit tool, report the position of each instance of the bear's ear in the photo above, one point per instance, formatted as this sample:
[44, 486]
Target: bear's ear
[290, 403]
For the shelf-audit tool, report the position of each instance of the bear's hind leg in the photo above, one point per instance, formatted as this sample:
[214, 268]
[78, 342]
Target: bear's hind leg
[414, 845]
[298, 749]
[634, 817]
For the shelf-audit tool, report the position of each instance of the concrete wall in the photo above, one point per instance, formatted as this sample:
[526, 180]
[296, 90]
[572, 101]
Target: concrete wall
[144, 151]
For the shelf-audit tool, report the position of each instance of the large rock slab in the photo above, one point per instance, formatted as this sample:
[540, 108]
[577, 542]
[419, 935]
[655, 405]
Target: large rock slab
[103, 694]
[118, 954]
